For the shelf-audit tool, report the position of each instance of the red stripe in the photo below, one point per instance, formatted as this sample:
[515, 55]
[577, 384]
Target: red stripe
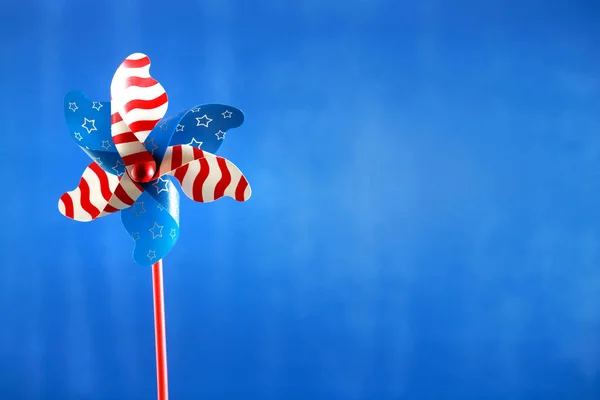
[123, 196]
[200, 179]
[140, 82]
[145, 125]
[110, 209]
[179, 173]
[104, 185]
[142, 62]
[85, 199]
[225, 178]
[197, 153]
[68, 203]
[176, 157]
[145, 104]
[132, 159]
[241, 188]
[116, 117]
[126, 137]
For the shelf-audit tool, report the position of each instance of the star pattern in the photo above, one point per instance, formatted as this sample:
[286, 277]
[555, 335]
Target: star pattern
[154, 147]
[179, 128]
[106, 144]
[73, 106]
[220, 135]
[173, 233]
[96, 105]
[160, 207]
[151, 254]
[135, 236]
[97, 160]
[119, 168]
[137, 208]
[164, 126]
[226, 114]
[195, 109]
[203, 118]
[163, 188]
[156, 230]
[86, 127]
[78, 136]
[194, 142]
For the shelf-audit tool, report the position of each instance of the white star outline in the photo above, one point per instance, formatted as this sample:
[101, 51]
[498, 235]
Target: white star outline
[151, 254]
[164, 126]
[97, 160]
[73, 106]
[204, 124]
[220, 135]
[195, 109]
[106, 144]
[85, 122]
[179, 128]
[78, 136]
[173, 233]
[195, 142]
[226, 114]
[155, 226]
[96, 105]
[135, 236]
[153, 144]
[116, 168]
[141, 210]
[160, 207]
[164, 189]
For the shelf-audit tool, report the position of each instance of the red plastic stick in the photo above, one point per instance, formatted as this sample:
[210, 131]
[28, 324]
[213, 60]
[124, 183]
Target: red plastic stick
[160, 332]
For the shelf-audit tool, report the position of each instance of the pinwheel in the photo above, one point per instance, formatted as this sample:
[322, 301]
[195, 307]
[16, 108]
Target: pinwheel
[138, 160]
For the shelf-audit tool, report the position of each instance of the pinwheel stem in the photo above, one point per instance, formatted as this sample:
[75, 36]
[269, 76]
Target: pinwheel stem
[160, 332]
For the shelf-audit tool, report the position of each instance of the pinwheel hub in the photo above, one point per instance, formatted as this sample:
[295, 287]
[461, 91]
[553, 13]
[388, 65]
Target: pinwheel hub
[143, 172]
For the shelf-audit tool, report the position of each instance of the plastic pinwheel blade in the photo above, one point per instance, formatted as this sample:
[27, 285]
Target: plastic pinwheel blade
[98, 194]
[205, 126]
[153, 221]
[88, 121]
[137, 97]
[211, 178]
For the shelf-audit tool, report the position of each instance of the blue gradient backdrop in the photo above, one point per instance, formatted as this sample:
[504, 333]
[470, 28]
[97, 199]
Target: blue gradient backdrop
[424, 225]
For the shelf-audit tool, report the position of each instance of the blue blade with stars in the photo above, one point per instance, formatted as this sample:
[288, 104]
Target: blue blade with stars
[89, 124]
[153, 221]
[206, 126]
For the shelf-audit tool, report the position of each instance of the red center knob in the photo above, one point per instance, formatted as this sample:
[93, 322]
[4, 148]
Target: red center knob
[143, 172]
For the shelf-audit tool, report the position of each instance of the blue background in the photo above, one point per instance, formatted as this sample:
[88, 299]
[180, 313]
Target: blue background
[424, 223]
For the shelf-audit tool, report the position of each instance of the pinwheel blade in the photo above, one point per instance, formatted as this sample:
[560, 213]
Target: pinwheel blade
[153, 221]
[212, 177]
[98, 194]
[206, 126]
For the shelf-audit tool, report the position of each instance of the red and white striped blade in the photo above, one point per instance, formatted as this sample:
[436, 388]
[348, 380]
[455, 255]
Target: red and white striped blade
[98, 194]
[210, 178]
[178, 156]
[138, 102]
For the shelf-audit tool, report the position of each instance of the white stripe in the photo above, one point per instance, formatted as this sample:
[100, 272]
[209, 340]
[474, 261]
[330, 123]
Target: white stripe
[79, 214]
[141, 114]
[188, 179]
[143, 93]
[136, 56]
[214, 176]
[119, 127]
[247, 192]
[94, 185]
[187, 154]
[236, 176]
